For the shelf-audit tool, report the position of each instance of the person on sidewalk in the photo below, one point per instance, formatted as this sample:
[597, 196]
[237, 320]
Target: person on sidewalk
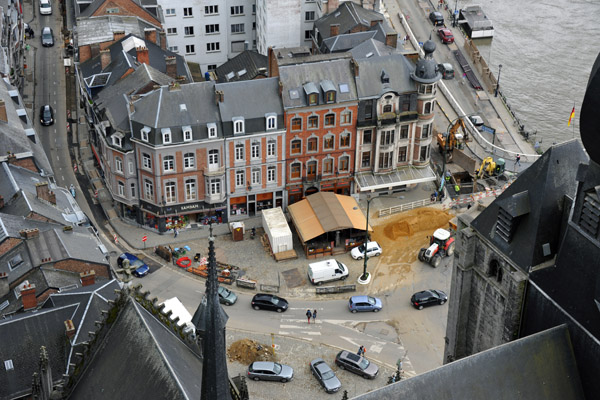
[361, 350]
[518, 160]
[314, 316]
[308, 315]
[175, 232]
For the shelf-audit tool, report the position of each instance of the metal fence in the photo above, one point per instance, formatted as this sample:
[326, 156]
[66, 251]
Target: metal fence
[404, 207]
[336, 289]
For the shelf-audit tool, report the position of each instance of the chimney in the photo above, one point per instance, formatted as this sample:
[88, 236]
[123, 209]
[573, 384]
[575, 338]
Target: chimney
[280, 89]
[70, 329]
[30, 233]
[171, 66]
[11, 158]
[332, 5]
[391, 40]
[150, 34]
[44, 193]
[334, 29]
[174, 86]
[163, 39]
[118, 35]
[88, 278]
[354, 67]
[104, 58]
[272, 63]
[219, 96]
[1, 204]
[3, 115]
[142, 55]
[28, 297]
[4, 287]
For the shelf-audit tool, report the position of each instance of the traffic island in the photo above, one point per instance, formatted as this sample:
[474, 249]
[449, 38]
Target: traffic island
[365, 281]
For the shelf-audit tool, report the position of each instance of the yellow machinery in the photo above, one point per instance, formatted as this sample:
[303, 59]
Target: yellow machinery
[447, 141]
[490, 167]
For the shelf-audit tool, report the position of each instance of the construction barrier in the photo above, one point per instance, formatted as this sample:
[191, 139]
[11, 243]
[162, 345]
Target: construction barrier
[472, 198]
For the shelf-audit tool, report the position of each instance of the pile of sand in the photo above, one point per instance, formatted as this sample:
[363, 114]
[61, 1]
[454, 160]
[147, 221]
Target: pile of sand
[246, 351]
[411, 222]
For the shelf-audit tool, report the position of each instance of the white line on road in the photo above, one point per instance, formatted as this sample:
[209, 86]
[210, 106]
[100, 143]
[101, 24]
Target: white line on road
[62, 178]
[349, 340]
[290, 327]
[300, 320]
[312, 333]
[58, 158]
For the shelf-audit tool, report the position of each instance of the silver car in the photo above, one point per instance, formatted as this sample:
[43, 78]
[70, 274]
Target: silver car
[47, 37]
[325, 375]
[270, 371]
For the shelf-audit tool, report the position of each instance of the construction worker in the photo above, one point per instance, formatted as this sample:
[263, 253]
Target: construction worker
[457, 189]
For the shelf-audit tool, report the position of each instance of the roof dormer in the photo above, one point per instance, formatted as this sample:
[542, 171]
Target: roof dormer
[312, 93]
[329, 91]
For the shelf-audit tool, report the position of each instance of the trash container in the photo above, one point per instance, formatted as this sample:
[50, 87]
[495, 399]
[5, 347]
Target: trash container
[237, 230]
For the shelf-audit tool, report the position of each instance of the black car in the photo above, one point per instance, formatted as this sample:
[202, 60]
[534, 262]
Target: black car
[357, 364]
[436, 18]
[428, 298]
[264, 301]
[46, 115]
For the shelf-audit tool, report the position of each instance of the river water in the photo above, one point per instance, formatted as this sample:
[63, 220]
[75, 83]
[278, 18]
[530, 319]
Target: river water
[546, 49]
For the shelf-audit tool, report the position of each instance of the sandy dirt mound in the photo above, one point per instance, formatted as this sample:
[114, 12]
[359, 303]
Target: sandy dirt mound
[247, 351]
[401, 236]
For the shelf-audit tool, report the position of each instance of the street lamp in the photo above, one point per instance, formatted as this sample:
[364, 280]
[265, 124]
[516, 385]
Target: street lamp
[454, 15]
[498, 81]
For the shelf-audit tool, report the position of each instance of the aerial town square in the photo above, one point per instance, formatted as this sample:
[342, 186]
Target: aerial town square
[260, 199]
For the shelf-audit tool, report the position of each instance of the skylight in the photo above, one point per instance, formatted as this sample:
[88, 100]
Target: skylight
[344, 88]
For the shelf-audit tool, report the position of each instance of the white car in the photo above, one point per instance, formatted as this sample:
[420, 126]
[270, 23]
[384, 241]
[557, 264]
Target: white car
[373, 250]
[45, 7]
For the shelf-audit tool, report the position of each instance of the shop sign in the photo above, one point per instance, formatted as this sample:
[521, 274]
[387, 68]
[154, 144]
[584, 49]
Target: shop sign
[168, 210]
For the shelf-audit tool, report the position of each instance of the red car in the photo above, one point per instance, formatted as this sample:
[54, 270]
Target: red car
[446, 35]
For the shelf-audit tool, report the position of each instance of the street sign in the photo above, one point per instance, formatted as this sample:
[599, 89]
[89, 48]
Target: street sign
[488, 129]
[144, 238]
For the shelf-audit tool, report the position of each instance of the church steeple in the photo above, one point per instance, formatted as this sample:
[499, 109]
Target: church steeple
[210, 320]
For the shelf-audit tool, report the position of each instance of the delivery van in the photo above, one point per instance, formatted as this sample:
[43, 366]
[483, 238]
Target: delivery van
[325, 271]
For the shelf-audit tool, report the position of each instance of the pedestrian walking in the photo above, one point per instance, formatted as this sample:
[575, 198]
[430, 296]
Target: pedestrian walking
[518, 160]
[175, 232]
[308, 315]
[361, 350]
[314, 316]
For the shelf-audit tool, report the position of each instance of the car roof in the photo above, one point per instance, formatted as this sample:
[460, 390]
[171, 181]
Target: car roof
[423, 293]
[263, 364]
[351, 356]
[359, 298]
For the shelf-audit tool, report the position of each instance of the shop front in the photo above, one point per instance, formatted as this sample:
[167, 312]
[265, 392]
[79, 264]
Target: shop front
[181, 216]
[294, 194]
[252, 205]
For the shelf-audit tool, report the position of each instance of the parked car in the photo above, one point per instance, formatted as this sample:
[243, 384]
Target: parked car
[264, 301]
[373, 250]
[140, 269]
[47, 37]
[357, 364]
[45, 7]
[477, 121]
[446, 35]
[46, 115]
[428, 298]
[364, 303]
[270, 371]
[325, 375]
[226, 296]
[436, 18]
[447, 70]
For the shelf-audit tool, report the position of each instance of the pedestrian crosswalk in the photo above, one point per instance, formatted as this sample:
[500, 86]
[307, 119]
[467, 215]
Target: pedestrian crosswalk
[296, 323]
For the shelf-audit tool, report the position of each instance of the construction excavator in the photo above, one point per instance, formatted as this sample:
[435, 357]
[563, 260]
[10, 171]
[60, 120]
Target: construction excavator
[447, 141]
[490, 167]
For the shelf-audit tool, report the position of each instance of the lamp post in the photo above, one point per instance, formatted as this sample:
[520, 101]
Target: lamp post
[498, 81]
[365, 275]
[454, 15]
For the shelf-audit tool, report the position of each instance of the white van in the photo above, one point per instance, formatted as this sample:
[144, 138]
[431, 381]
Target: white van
[324, 271]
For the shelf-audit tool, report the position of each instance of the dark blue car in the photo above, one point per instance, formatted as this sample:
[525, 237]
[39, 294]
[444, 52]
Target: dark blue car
[140, 269]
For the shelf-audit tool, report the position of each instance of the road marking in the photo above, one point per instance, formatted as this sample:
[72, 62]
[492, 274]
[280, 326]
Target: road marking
[58, 158]
[299, 320]
[313, 333]
[62, 178]
[302, 308]
[349, 340]
[375, 348]
[290, 327]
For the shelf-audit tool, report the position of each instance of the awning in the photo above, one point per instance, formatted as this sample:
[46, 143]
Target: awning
[326, 212]
[406, 176]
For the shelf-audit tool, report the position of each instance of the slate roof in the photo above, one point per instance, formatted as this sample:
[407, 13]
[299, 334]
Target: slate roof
[57, 245]
[17, 135]
[22, 336]
[369, 83]
[547, 181]
[372, 48]
[20, 183]
[113, 99]
[164, 367]
[539, 367]
[96, 4]
[101, 29]
[294, 77]
[253, 63]
[162, 107]
[123, 55]
[348, 41]
[348, 15]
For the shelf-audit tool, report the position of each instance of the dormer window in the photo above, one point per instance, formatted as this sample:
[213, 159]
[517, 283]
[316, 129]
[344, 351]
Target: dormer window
[166, 135]
[238, 125]
[312, 93]
[329, 91]
[144, 133]
[312, 100]
[271, 121]
[212, 130]
[187, 133]
[117, 141]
